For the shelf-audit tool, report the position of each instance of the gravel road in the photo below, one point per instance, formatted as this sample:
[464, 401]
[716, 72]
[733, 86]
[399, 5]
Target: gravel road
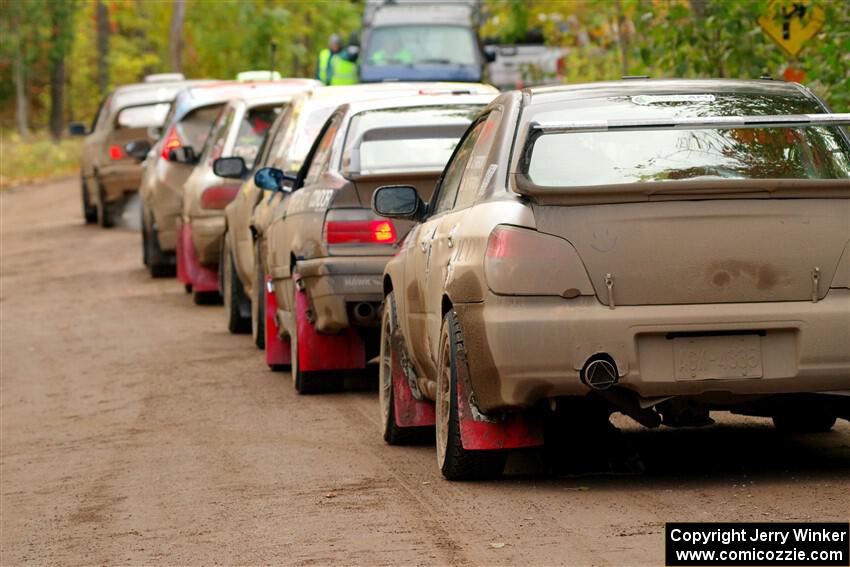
[136, 430]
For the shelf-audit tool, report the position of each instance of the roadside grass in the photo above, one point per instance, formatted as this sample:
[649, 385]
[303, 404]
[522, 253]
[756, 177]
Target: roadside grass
[36, 158]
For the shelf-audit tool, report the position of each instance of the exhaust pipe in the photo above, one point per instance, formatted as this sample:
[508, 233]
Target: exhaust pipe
[365, 313]
[599, 373]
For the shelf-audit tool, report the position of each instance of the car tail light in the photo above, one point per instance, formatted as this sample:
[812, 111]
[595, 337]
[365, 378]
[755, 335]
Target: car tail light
[218, 197]
[116, 152]
[360, 232]
[171, 142]
[522, 261]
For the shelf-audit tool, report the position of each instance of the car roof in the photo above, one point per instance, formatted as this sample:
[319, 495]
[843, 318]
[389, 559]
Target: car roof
[143, 93]
[658, 86]
[363, 89]
[222, 91]
[415, 101]
[253, 102]
[435, 13]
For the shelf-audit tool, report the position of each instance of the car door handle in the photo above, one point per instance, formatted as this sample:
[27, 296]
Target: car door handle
[450, 241]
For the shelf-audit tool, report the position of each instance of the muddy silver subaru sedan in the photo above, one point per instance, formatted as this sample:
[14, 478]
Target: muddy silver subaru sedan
[327, 249]
[662, 249]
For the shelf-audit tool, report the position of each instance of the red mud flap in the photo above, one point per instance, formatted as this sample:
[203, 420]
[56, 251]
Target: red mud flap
[407, 410]
[278, 351]
[189, 269]
[343, 351]
[514, 431]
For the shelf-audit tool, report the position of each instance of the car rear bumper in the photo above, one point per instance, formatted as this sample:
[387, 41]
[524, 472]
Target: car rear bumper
[334, 282]
[523, 349]
[119, 179]
[207, 237]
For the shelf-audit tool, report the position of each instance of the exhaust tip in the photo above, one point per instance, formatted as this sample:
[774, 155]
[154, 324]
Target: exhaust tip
[599, 373]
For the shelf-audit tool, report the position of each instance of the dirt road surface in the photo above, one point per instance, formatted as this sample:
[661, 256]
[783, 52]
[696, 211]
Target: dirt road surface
[136, 430]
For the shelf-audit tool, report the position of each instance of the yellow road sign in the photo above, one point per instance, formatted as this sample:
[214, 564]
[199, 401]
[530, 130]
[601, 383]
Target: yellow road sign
[791, 23]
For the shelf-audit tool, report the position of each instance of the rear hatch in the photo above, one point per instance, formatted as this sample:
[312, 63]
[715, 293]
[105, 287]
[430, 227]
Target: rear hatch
[707, 251]
[696, 210]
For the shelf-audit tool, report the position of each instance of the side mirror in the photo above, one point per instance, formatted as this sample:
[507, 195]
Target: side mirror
[138, 149]
[77, 129]
[398, 202]
[490, 52]
[232, 167]
[272, 179]
[183, 154]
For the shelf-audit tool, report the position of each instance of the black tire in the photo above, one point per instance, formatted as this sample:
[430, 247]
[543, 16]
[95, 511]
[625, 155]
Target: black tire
[89, 210]
[236, 306]
[455, 462]
[313, 382]
[392, 433]
[187, 288]
[804, 420]
[106, 212]
[258, 303]
[160, 264]
[206, 297]
[145, 244]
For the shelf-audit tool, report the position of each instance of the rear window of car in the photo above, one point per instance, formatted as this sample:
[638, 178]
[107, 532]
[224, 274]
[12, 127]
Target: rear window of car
[425, 138]
[142, 116]
[252, 130]
[194, 128]
[618, 157]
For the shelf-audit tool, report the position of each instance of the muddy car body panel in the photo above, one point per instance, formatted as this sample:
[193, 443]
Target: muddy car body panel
[714, 273]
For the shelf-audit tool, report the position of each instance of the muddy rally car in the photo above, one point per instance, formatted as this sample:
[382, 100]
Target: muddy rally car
[170, 162]
[656, 248]
[250, 213]
[327, 249]
[236, 135]
[109, 172]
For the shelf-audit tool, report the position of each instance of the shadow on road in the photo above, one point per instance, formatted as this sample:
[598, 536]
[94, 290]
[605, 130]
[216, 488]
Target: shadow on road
[716, 454]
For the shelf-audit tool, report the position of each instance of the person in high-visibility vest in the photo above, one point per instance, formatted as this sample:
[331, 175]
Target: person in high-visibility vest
[335, 65]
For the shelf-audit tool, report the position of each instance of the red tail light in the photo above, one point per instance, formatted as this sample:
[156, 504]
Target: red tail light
[360, 232]
[522, 261]
[218, 197]
[116, 152]
[172, 141]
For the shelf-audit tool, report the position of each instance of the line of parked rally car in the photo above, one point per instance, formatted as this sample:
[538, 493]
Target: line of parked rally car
[537, 279]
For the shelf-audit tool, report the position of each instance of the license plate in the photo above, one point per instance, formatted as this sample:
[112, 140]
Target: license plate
[717, 358]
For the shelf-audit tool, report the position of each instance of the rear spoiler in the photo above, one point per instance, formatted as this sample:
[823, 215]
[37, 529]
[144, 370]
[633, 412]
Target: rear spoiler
[684, 189]
[537, 129]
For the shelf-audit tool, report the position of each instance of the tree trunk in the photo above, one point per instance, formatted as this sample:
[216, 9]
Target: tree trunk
[175, 36]
[102, 46]
[57, 77]
[622, 37]
[21, 99]
[57, 97]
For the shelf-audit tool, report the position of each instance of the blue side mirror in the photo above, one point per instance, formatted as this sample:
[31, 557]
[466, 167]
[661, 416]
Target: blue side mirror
[272, 179]
[269, 178]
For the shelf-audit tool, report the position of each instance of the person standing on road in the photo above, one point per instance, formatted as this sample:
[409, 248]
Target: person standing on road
[336, 66]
